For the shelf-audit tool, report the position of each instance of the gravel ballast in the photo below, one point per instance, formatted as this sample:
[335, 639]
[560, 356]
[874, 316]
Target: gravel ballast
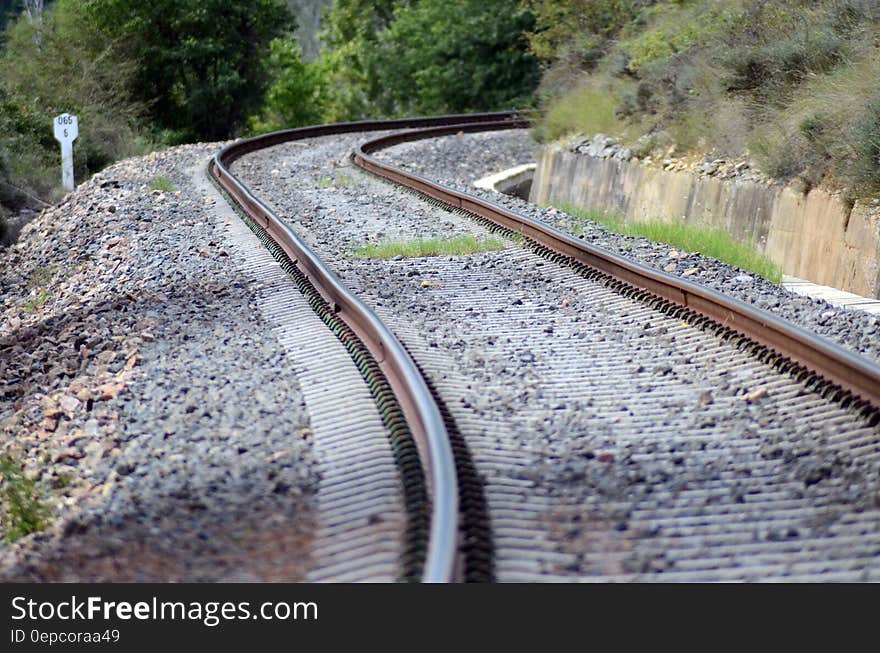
[613, 442]
[140, 387]
[143, 391]
[458, 161]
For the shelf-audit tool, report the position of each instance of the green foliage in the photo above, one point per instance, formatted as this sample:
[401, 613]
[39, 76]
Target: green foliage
[23, 511]
[425, 56]
[24, 150]
[786, 83]
[296, 94]
[201, 63]
[455, 246]
[350, 34]
[677, 29]
[162, 184]
[439, 57]
[62, 66]
[38, 299]
[577, 27]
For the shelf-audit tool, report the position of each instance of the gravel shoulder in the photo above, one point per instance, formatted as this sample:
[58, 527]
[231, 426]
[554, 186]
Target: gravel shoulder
[143, 391]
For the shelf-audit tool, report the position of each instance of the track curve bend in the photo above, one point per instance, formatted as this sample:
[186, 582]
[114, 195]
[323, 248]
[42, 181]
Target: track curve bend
[848, 380]
[415, 400]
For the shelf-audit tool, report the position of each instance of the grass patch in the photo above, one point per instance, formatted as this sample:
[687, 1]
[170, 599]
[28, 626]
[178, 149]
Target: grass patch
[339, 180]
[42, 275]
[586, 110]
[23, 511]
[712, 242]
[36, 302]
[457, 246]
[163, 184]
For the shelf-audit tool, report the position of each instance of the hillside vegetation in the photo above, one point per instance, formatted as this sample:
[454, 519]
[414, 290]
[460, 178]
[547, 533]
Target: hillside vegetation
[142, 75]
[791, 85]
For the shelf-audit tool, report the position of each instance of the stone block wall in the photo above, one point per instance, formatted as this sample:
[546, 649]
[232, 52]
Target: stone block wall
[814, 236]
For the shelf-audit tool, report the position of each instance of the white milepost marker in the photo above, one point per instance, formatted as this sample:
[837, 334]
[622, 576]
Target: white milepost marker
[66, 131]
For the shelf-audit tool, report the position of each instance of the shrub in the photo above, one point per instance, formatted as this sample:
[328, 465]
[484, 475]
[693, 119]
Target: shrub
[296, 96]
[201, 64]
[789, 84]
[23, 511]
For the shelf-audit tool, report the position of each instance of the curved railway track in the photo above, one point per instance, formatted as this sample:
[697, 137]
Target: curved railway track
[739, 336]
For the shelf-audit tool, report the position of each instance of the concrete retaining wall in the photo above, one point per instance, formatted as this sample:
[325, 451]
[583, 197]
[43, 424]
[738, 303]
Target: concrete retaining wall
[813, 236]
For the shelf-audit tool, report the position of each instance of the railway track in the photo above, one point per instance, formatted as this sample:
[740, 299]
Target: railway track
[703, 439]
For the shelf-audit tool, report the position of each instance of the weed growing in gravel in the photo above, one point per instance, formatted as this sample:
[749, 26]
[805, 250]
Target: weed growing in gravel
[62, 481]
[41, 275]
[37, 301]
[715, 243]
[340, 180]
[457, 246]
[23, 512]
[163, 184]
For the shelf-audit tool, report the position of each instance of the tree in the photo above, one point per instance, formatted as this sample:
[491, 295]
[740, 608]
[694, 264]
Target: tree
[350, 34]
[463, 56]
[296, 95]
[34, 11]
[427, 56]
[201, 63]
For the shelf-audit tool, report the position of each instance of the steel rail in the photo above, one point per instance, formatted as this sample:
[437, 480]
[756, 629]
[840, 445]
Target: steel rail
[442, 563]
[814, 353]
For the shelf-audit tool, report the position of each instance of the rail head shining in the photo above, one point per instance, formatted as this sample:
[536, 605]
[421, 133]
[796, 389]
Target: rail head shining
[417, 403]
[841, 367]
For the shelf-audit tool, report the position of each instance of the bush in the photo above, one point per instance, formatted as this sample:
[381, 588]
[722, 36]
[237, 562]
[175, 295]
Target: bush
[789, 84]
[430, 56]
[201, 64]
[296, 95]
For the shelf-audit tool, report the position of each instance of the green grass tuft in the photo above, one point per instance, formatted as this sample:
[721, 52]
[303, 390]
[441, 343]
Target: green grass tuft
[587, 110]
[457, 246]
[163, 184]
[712, 242]
[42, 275]
[23, 511]
[36, 302]
[339, 180]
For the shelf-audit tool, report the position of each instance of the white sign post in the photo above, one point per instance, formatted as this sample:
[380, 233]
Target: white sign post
[66, 131]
